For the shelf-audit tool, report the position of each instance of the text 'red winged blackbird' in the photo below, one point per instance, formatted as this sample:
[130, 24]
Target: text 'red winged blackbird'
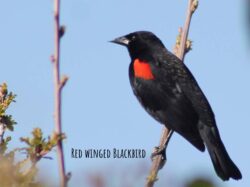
[170, 94]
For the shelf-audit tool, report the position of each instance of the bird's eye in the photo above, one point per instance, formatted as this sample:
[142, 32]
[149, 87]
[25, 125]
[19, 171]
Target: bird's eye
[133, 38]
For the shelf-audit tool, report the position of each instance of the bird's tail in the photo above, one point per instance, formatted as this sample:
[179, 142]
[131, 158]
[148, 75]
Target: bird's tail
[223, 165]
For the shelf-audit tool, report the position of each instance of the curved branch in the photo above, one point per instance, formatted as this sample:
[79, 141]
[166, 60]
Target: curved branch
[166, 133]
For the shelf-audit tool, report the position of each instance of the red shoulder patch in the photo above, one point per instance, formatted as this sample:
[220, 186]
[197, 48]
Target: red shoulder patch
[142, 70]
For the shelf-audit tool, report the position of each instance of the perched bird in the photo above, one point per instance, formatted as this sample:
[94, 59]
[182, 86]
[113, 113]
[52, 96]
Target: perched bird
[170, 94]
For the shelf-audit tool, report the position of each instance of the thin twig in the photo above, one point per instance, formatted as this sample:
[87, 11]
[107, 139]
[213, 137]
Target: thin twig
[166, 133]
[157, 162]
[192, 5]
[58, 94]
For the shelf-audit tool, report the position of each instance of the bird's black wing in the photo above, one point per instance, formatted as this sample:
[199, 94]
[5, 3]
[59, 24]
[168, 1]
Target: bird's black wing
[174, 67]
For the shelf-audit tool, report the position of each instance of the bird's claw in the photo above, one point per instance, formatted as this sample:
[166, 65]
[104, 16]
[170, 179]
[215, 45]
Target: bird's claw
[159, 151]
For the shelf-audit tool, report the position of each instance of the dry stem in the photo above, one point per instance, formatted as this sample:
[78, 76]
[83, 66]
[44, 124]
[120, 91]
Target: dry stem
[58, 93]
[166, 133]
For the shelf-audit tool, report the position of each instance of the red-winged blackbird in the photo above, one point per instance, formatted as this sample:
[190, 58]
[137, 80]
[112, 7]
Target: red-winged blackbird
[170, 94]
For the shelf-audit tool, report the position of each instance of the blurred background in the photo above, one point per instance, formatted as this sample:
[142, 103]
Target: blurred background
[99, 109]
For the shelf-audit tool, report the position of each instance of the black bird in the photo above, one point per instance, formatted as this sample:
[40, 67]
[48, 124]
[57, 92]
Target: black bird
[170, 94]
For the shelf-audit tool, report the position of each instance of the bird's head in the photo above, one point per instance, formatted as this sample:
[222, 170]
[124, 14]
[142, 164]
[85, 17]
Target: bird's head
[140, 43]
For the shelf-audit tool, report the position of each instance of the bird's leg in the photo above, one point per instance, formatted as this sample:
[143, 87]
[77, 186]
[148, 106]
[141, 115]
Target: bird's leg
[161, 150]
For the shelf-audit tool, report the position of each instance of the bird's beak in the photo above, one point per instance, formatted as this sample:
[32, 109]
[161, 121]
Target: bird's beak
[121, 41]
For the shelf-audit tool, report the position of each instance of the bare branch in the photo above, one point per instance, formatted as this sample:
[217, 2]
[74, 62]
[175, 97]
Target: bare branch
[58, 92]
[180, 50]
[192, 6]
[158, 161]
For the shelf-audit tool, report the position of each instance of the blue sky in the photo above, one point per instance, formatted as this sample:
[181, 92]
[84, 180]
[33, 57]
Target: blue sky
[99, 109]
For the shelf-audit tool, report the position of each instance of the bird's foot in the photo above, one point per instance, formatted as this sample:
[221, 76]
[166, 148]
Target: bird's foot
[159, 151]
